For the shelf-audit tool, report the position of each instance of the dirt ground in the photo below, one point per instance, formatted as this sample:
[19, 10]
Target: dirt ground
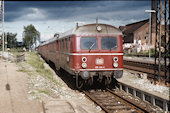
[13, 94]
[28, 90]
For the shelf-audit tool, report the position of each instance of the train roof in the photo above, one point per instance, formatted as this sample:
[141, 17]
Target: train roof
[48, 41]
[91, 29]
[88, 29]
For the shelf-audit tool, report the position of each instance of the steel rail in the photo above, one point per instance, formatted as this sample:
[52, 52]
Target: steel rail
[130, 103]
[94, 100]
[140, 109]
[143, 67]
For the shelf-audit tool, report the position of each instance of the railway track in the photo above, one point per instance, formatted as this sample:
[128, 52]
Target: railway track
[146, 67]
[111, 102]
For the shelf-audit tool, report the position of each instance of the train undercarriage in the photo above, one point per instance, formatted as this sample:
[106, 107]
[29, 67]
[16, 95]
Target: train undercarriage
[87, 78]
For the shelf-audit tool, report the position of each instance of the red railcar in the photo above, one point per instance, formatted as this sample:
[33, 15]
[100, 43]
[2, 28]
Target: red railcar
[88, 51]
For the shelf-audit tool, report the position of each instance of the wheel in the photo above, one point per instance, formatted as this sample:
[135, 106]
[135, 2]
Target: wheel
[79, 82]
[90, 81]
[108, 81]
[100, 78]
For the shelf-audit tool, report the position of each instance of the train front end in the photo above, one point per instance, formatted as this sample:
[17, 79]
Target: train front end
[98, 56]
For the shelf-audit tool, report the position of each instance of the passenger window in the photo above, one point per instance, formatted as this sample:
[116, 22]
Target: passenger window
[60, 44]
[88, 43]
[109, 43]
[66, 44]
[57, 46]
[71, 44]
[63, 44]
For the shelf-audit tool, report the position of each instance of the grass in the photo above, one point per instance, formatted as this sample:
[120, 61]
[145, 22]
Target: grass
[22, 69]
[43, 91]
[16, 52]
[38, 65]
[33, 93]
[34, 66]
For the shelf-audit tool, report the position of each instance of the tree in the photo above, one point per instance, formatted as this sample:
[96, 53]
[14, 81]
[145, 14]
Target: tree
[30, 35]
[11, 39]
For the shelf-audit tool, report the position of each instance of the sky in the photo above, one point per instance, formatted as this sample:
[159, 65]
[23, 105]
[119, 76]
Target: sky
[50, 17]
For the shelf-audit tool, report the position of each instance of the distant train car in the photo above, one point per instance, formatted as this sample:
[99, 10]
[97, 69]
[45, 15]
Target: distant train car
[87, 52]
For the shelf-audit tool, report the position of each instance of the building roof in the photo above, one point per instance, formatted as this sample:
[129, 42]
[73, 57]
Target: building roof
[130, 28]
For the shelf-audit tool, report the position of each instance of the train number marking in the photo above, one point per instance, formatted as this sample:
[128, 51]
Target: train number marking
[99, 67]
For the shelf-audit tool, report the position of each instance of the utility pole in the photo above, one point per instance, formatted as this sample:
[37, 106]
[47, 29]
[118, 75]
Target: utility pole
[2, 15]
[150, 29]
[3, 25]
[165, 46]
[160, 35]
[162, 43]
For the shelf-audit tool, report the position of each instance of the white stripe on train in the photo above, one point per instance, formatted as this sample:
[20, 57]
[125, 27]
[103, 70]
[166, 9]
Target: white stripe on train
[92, 53]
[98, 69]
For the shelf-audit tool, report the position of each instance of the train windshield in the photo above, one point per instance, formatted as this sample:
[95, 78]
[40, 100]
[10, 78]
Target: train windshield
[89, 43]
[109, 43]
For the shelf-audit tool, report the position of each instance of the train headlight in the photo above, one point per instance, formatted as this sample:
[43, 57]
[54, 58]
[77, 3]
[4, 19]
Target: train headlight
[98, 28]
[115, 64]
[115, 59]
[84, 65]
[84, 59]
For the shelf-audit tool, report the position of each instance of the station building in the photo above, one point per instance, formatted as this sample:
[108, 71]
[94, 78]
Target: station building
[136, 35]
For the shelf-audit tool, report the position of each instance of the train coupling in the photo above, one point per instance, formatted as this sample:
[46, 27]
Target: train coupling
[85, 75]
[118, 74]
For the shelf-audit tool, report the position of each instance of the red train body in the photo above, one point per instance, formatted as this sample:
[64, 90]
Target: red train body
[88, 51]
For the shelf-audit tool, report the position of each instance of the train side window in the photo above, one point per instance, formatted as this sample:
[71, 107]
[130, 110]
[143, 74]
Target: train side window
[60, 45]
[56, 45]
[53, 46]
[63, 44]
[66, 44]
[71, 44]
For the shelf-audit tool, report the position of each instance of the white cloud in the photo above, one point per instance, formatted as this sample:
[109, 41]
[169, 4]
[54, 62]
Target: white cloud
[48, 28]
[32, 14]
[46, 36]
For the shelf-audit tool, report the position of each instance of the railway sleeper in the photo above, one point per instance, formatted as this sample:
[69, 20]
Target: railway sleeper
[112, 104]
[119, 108]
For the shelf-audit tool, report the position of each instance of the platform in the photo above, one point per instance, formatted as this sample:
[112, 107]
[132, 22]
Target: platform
[13, 94]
